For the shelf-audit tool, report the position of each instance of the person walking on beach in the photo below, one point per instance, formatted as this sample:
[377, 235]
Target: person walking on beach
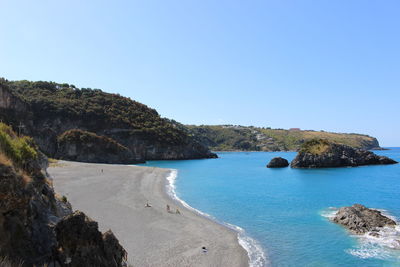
[177, 211]
[168, 208]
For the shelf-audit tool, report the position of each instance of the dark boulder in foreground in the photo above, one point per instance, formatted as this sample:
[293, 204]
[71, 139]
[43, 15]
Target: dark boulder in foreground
[80, 243]
[278, 162]
[360, 219]
[320, 153]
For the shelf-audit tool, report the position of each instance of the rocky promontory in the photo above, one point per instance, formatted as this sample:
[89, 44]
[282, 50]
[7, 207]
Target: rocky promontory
[47, 110]
[278, 162]
[360, 219]
[320, 153]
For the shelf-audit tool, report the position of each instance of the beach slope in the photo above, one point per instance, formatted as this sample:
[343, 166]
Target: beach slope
[116, 195]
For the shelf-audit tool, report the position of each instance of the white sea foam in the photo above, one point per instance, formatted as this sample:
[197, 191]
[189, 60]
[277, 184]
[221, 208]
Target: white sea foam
[385, 246]
[329, 213]
[257, 257]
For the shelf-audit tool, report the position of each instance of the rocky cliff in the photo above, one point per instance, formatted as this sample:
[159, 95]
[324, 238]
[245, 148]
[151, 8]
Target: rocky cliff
[37, 227]
[320, 153]
[78, 145]
[46, 110]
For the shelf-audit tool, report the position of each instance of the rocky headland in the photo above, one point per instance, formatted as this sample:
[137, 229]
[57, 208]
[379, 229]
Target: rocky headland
[278, 162]
[48, 111]
[360, 220]
[250, 138]
[320, 153]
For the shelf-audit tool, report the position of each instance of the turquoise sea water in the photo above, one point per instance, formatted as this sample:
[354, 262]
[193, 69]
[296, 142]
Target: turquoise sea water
[285, 210]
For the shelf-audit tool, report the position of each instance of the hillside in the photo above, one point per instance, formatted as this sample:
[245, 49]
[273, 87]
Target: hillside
[231, 138]
[46, 110]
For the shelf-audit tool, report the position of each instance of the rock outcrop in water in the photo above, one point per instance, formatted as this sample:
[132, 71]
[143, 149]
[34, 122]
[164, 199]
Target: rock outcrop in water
[278, 162]
[360, 219]
[320, 153]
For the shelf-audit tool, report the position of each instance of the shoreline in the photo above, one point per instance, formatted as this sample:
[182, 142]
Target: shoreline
[256, 255]
[152, 236]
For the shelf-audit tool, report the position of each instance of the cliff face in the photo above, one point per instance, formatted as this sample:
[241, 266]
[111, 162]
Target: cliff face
[26, 212]
[48, 110]
[321, 153]
[34, 229]
[36, 226]
[78, 145]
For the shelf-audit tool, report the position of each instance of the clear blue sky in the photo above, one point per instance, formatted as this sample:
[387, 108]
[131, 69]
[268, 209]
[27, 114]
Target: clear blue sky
[322, 64]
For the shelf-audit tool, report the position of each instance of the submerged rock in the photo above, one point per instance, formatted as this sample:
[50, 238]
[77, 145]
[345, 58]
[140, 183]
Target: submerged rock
[360, 219]
[320, 153]
[278, 162]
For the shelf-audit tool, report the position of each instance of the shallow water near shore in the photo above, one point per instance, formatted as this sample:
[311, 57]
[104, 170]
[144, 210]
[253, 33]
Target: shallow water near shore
[286, 210]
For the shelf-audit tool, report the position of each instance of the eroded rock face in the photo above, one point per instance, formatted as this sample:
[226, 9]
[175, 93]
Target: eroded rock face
[324, 154]
[83, 146]
[360, 219]
[278, 162]
[28, 212]
[80, 243]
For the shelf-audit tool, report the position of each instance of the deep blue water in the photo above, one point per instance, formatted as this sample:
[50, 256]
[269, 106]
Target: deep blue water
[283, 208]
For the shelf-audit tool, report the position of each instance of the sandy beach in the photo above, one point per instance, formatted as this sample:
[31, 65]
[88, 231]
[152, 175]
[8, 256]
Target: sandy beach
[116, 198]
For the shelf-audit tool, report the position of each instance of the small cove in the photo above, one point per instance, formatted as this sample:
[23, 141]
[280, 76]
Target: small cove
[285, 210]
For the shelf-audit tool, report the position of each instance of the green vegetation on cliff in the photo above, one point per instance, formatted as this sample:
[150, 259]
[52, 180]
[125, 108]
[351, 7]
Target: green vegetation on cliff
[83, 137]
[315, 146]
[21, 151]
[322, 153]
[231, 138]
[47, 110]
[96, 109]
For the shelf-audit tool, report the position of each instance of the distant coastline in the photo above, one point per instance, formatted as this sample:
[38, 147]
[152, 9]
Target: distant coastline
[250, 138]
